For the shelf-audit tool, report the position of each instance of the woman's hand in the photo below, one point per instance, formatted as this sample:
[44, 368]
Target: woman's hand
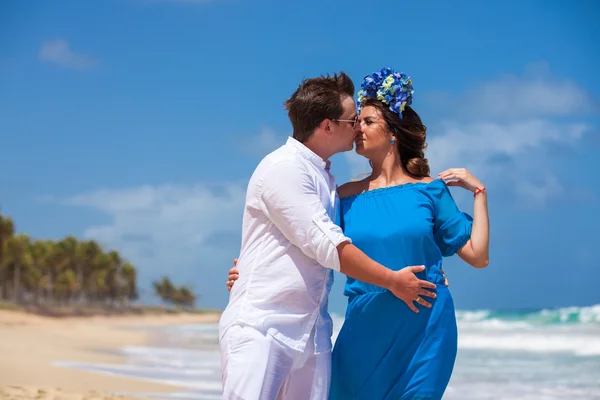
[445, 278]
[461, 177]
[233, 275]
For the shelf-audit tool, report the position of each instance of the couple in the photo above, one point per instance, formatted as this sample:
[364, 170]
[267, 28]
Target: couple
[387, 233]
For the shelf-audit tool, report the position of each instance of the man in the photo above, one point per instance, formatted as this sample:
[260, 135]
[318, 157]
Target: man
[275, 334]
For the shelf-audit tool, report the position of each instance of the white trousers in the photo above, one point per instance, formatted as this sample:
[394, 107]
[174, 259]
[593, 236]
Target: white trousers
[255, 366]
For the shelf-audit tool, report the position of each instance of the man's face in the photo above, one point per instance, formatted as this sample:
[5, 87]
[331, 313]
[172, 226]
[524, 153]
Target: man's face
[344, 128]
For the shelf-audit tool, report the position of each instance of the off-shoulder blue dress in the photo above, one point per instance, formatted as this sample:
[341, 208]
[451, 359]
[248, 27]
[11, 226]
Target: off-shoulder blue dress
[385, 350]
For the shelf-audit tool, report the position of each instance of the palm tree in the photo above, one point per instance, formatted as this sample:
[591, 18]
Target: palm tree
[40, 253]
[71, 271]
[16, 262]
[98, 279]
[164, 289]
[67, 280]
[89, 253]
[170, 294]
[58, 261]
[184, 297]
[129, 276]
[7, 229]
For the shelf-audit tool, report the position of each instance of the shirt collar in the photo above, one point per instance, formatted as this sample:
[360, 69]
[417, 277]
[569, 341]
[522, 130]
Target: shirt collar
[308, 154]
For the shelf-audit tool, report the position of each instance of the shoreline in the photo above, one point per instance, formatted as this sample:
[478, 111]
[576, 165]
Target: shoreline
[30, 344]
[82, 310]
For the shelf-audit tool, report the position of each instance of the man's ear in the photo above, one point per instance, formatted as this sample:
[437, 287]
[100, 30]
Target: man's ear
[325, 126]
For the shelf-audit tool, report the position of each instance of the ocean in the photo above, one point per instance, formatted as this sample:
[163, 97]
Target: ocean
[545, 354]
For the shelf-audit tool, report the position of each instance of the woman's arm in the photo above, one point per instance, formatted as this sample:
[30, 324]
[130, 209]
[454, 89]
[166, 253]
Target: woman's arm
[476, 250]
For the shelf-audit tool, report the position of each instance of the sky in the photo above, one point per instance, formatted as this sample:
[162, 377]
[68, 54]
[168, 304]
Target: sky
[138, 123]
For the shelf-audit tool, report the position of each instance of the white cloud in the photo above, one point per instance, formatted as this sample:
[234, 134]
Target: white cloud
[505, 127]
[538, 92]
[509, 154]
[540, 190]
[189, 232]
[475, 143]
[169, 227]
[58, 51]
[500, 131]
[494, 152]
[506, 154]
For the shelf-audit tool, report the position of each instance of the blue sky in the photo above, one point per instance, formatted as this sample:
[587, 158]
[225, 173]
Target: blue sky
[138, 123]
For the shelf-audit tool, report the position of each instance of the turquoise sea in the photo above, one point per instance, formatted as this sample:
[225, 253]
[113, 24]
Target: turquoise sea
[547, 354]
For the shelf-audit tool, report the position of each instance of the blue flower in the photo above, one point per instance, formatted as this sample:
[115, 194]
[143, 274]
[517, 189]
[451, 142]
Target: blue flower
[392, 88]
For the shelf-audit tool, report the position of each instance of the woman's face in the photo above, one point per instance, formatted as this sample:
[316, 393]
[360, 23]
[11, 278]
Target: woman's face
[373, 135]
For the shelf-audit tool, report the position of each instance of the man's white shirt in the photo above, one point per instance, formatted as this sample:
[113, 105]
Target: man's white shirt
[289, 250]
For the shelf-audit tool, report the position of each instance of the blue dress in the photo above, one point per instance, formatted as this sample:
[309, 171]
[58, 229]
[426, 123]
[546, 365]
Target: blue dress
[385, 350]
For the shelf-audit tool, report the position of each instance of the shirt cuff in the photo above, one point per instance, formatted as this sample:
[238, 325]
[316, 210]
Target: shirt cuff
[334, 234]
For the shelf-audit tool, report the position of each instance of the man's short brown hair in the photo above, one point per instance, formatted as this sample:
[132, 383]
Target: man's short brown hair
[317, 99]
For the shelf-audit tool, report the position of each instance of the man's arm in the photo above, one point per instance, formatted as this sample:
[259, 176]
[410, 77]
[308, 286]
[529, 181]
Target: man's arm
[351, 266]
[291, 201]
[404, 284]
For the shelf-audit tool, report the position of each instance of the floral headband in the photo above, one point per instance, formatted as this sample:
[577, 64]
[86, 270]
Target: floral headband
[392, 88]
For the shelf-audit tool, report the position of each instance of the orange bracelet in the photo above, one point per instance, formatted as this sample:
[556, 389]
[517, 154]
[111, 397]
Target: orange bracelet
[478, 190]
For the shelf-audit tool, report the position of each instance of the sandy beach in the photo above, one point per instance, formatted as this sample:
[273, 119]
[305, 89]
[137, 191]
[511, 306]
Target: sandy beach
[29, 344]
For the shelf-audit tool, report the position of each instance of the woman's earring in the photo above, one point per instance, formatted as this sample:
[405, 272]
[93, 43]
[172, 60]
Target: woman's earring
[393, 141]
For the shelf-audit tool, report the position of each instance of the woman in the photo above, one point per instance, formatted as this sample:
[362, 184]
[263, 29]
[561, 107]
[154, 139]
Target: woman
[400, 216]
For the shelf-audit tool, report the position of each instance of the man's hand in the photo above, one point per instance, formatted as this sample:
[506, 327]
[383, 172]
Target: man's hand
[233, 275]
[407, 287]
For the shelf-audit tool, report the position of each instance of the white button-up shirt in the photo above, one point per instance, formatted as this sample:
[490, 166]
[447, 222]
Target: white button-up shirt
[289, 249]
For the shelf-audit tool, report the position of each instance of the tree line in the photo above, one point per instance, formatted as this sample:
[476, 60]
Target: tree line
[72, 272]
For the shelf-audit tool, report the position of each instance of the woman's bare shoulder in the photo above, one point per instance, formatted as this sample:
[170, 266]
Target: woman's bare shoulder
[352, 188]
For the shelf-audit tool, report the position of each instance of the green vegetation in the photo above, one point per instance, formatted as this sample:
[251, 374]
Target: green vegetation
[170, 294]
[71, 273]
